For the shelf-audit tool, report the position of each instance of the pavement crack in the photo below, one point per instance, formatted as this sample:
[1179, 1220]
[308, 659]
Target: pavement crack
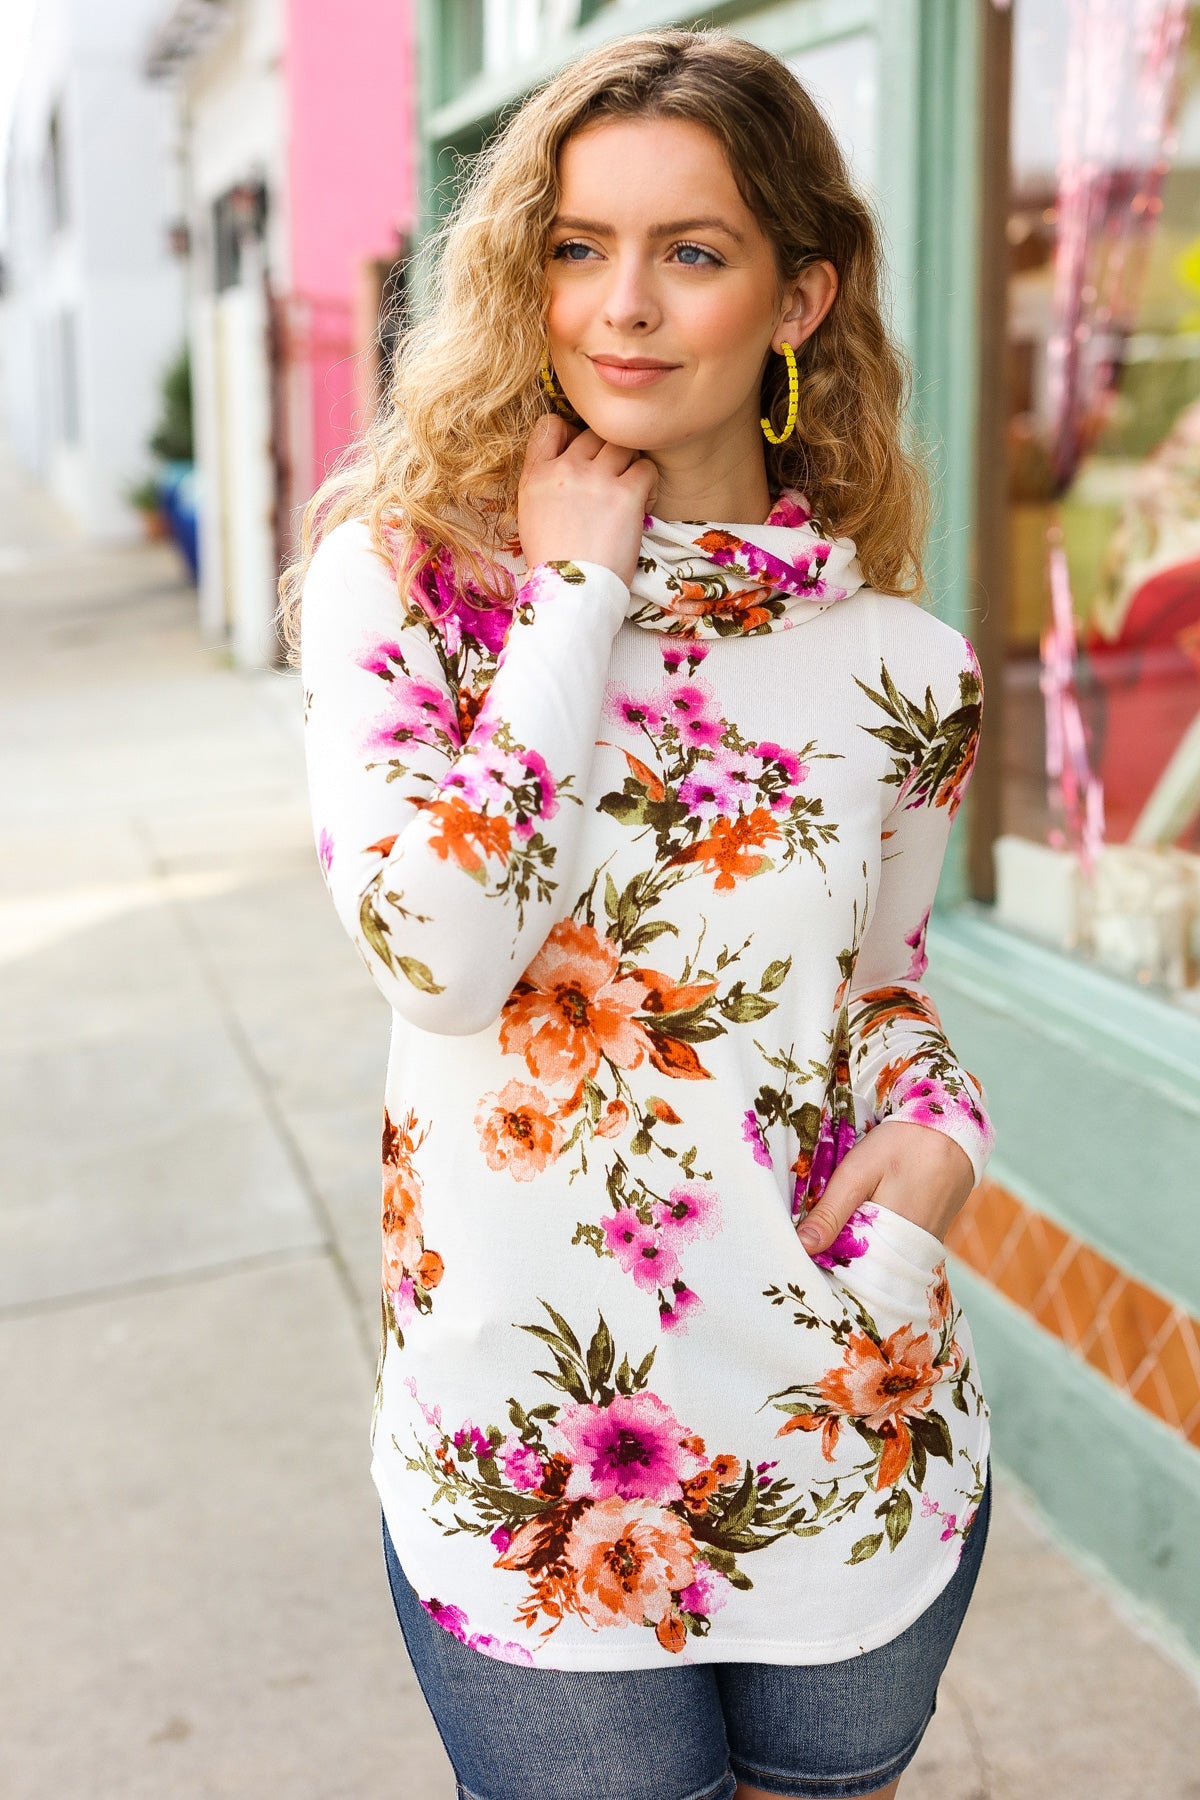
[983, 1774]
[260, 1080]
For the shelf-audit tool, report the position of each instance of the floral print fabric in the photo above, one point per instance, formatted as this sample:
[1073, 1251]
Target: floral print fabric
[645, 875]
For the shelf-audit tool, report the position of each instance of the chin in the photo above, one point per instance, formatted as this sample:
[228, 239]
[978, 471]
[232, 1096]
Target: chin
[636, 427]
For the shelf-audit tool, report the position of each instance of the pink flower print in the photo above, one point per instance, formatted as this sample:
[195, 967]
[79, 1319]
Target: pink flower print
[454, 1620]
[501, 1648]
[789, 510]
[752, 1131]
[742, 776]
[673, 1314]
[847, 1245]
[431, 1414]
[639, 1249]
[834, 1142]
[537, 767]
[522, 1465]
[701, 733]
[634, 1448]
[469, 1436]
[381, 659]
[707, 793]
[925, 1102]
[501, 1537]
[949, 1526]
[794, 770]
[708, 1593]
[763, 1471]
[689, 1211]
[675, 655]
[419, 713]
[451, 1618]
[915, 939]
[404, 1301]
[325, 849]
[929, 1507]
[690, 700]
[628, 709]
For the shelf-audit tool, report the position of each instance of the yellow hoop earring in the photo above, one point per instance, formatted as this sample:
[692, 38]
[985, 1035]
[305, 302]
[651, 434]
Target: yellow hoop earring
[789, 356]
[548, 380]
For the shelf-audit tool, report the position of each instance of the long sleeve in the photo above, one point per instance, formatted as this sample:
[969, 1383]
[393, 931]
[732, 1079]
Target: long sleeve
[903, 1065]
[445, 838]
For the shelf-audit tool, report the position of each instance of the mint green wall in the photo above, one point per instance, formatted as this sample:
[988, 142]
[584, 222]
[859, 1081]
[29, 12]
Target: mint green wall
[1117, 1488]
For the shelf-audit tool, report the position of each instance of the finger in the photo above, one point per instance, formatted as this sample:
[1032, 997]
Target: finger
[643, 472]
[615, 457]
[549, 437]
[846, 1192]
[587, 444]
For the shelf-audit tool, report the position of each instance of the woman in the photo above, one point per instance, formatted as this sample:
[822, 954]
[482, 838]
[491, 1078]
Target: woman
[632, 768]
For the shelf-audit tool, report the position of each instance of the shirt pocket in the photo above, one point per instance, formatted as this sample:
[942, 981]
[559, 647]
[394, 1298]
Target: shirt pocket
[891, 1264]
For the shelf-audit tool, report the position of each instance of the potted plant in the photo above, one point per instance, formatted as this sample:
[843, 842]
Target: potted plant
[143, 497]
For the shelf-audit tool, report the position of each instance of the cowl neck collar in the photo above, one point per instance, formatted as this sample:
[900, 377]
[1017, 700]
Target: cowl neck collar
[706, 578]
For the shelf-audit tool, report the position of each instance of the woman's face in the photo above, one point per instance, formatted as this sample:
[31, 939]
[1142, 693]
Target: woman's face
[654, 256]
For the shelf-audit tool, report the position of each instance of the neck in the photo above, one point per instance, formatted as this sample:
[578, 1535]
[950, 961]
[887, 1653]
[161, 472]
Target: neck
[723, 478]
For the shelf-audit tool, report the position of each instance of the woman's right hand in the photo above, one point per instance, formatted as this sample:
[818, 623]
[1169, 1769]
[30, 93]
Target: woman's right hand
[581, 499]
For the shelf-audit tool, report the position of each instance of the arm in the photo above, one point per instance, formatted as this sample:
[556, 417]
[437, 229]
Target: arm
[445, 855]
[903, 1067]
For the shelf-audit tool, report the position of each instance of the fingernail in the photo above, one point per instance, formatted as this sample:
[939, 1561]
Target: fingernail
[809, 1236]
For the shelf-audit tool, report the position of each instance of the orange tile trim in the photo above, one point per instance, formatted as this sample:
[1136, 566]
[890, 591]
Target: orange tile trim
[1145, 1344]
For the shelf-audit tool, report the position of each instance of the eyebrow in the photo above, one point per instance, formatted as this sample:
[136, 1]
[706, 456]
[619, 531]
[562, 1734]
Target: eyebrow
[599, 229]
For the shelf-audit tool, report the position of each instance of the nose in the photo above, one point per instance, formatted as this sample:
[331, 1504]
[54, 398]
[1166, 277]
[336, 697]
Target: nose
[630, 303]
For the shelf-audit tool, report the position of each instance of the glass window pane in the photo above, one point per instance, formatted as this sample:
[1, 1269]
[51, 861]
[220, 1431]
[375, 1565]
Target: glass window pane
[1100, 845]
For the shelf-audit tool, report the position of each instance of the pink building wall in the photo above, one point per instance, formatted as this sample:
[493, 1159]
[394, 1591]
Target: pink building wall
[351, 160]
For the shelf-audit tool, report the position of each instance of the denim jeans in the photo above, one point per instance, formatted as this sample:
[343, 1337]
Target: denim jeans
[822, 1731]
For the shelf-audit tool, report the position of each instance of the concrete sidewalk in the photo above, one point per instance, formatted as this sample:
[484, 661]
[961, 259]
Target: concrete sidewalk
[194, 1602]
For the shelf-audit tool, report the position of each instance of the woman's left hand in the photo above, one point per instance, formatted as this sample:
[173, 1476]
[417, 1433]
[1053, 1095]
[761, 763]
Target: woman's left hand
[911, 1169]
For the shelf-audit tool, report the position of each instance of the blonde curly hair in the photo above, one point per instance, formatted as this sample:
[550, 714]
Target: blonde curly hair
[445, 450]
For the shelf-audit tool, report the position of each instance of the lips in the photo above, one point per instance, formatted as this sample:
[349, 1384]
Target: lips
[631, 362]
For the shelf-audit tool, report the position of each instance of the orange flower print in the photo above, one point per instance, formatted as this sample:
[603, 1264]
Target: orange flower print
[401, 1224]
[466, 833]
[430, 1269]
[614, 1120]
[882, 1385]
[939, 1297]
[729, 850]
[410, 1271]
[518, 1132]
[722, 1470]
[627, 1558]
[572, 1007]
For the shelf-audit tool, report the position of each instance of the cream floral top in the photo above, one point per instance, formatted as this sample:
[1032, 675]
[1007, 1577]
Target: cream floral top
[644, 875]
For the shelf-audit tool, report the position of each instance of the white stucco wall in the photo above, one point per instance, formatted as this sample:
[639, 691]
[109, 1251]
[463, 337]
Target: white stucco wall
[108, 266]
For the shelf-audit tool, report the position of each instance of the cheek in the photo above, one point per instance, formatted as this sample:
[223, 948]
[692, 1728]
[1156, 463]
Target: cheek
[727, 329]
[567, 312]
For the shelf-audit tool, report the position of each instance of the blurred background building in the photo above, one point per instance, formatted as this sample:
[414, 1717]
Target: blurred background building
[1036, 167]
[297, 136]
[94, 302]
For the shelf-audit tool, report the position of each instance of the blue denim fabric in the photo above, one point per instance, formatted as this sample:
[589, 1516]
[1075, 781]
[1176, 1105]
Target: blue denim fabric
[821, 1731]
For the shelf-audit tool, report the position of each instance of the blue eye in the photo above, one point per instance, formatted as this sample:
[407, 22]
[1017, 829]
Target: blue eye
[715, 261]
[563, 254]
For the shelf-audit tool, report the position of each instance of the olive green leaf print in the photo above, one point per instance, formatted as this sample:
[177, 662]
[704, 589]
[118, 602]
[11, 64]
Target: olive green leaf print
[932, 755]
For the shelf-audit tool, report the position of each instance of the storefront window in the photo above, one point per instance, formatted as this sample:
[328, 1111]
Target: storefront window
[1100, 808]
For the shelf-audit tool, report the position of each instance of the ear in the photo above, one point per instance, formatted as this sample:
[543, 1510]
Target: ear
[809, 298]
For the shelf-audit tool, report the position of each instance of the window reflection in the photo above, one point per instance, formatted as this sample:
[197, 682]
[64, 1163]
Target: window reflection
[1101, 788]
